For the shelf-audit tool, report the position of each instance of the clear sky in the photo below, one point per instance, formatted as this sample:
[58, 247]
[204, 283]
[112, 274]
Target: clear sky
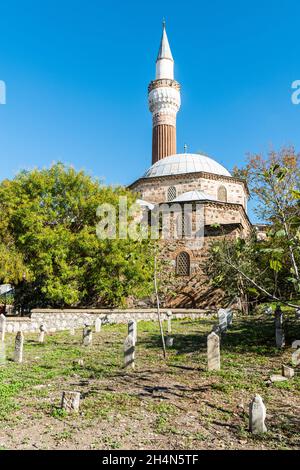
[77, 74]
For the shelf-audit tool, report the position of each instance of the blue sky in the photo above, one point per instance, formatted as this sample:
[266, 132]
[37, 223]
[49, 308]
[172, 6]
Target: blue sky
[77, 74]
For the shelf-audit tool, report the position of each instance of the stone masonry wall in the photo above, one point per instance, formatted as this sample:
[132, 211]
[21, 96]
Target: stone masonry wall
[60, 320]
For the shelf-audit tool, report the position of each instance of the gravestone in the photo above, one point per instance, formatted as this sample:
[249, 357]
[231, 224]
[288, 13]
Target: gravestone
[296, 344]
[129, 351]
[132, 329]
[279, 331]
[87, 336]
[70, 401]
[19, 344]
[2, 353]
[169, 341]
[222, 315]
[169, 321]
[2, 326]
[296, 358]
[98, 324]
[288, 372]
[229, 317]
[213, 352]
[42, 334]
[280, 339]
[257, 416]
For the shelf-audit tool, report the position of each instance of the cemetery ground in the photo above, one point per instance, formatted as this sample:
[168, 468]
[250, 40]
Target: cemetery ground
[172, 404]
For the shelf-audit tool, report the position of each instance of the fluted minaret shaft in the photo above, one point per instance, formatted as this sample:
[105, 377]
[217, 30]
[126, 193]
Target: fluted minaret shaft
[164, 103]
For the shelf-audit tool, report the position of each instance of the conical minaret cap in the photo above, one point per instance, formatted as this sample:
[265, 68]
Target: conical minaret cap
[164, 49]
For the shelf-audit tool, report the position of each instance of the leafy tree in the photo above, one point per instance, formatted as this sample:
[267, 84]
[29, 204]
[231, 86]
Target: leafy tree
[269, 268]
[53, 255]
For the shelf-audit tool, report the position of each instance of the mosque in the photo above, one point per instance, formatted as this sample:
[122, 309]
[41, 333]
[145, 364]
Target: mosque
[181, 178]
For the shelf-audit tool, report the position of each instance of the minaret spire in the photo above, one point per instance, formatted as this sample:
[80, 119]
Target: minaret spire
[164, 61]
[164, 102]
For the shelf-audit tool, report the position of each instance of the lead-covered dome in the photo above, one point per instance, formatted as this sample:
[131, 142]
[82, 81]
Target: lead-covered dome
[185, 163]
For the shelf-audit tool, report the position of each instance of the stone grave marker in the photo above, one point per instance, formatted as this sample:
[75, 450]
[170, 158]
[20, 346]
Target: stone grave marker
[296, 344]
[288, 372]
[19, 344]
[70, 401]
[2, 326]
[129, 351]
[213, 352]
[132, 329]
[169, 321]
[87, 336]
[229, 317]
[280, 339]
[42, 334]
[257, 416]
[222, 315]
[296, 358]
[98, 325]
[169, 341]
[2, 353]
[279, 331]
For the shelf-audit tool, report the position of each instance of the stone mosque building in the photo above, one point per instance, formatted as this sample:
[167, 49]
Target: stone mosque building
[188, 178]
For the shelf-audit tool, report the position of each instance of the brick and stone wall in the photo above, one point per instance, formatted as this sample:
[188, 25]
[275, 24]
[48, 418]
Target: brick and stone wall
[60, 320]
[155, 190]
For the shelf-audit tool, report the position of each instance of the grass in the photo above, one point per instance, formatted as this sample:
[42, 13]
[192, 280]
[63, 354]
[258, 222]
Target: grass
[168, 404]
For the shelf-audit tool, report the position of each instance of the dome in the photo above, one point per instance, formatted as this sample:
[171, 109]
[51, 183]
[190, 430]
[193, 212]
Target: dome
[185, 163]
[195, 195]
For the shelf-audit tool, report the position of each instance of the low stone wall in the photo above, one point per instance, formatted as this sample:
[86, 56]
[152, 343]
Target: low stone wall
[59, 320]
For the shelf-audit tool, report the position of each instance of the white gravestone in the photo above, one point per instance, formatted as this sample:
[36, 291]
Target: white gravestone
[2, 354]
[257, 416]
[19, 344]
[98, 324]
[288, 372]
[2, 326]
[132, 329]
[296, 344]
[169, 342]
[296, 357]
[213, 352]
[229, 317]
[87, 336]
[70, 401]
[42, 334]
[222, 315]
[169, 321]
[129, 351]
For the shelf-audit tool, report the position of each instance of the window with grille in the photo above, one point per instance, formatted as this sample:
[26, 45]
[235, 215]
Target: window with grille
[171, 193]
[222, 194]
[183, 264]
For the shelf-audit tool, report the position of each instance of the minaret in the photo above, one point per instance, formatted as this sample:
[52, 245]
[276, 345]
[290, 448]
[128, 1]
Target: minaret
[164, 103]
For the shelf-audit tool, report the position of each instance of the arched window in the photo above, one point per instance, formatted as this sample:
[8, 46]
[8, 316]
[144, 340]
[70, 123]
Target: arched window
[171, 193]
[222, 194]
[183, 264]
